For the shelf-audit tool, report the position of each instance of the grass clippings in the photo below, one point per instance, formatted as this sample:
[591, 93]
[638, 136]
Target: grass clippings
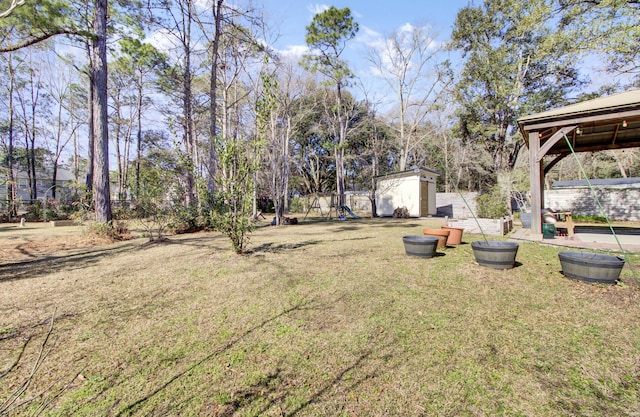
[321, 318]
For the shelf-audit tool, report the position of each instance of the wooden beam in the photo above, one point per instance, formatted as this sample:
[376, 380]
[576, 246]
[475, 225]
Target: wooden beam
[554, 162]
[565, 130]
[604, 147]
[615, 134]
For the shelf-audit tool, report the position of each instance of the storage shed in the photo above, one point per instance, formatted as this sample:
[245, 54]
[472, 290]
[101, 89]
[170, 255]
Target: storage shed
[414, 189]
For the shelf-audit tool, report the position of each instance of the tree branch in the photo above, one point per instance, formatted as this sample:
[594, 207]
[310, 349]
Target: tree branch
[33, 41]
[24, 346]
[14, 4]
[9, 403]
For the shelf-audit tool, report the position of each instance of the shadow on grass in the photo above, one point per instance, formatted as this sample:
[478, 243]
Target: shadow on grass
[347, 228]
[197, 240]
[42, 266]
[272, 247]
[131, 408]
[272, 387]
[398, 224]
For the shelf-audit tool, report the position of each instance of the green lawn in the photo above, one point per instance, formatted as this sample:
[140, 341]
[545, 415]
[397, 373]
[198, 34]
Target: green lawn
[320, 319]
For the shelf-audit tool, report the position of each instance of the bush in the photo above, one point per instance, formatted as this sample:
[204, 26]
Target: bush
[35, 212]
[186, 220]
[110, 230]
[296, 205]
[492, 205]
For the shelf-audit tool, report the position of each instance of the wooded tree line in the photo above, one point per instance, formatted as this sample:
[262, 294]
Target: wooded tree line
[196, 106]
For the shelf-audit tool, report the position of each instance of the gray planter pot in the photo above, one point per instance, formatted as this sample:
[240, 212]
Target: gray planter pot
[591, 267]
[495, 254]
[525, 218]
[423, 246]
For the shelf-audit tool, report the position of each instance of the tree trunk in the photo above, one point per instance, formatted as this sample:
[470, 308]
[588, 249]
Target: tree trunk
[101, 190]
[339, 152]
[139, 136]
[188, 137]
[91, 138]
[213, 93]
[11, 180]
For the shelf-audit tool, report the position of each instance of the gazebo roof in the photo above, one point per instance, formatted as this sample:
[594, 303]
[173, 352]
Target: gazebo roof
[611, 122]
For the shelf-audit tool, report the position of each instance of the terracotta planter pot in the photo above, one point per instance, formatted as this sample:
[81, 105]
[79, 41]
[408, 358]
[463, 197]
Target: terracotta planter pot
[455, 234]
[441, 234]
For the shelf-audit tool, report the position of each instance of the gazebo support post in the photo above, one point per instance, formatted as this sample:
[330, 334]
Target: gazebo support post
[536, 179]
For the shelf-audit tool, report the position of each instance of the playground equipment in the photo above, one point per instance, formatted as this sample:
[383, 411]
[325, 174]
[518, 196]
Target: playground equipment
[347, 210]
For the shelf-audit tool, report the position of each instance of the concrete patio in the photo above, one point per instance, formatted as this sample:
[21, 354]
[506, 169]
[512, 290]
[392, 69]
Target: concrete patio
[589, 237]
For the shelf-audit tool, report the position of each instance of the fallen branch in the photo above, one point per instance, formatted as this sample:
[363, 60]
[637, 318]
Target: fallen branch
[10, 403]
[14, 364]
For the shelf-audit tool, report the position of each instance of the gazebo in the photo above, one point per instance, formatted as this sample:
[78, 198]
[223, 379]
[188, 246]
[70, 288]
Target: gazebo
[611, 122]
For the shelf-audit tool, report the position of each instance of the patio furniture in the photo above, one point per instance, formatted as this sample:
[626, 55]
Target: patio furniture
[564, 220]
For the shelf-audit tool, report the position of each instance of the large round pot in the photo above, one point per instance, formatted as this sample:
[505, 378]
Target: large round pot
[495, 254]
[591, 267]
[455, 234]
[441, 234]
[423, 246]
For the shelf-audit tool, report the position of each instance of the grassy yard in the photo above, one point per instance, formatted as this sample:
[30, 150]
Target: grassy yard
[320, 319]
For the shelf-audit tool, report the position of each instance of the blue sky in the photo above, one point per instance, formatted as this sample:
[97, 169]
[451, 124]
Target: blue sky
[376, 20]
[373, 17]
[379, 16]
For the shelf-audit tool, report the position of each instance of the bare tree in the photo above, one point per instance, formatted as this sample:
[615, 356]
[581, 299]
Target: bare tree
[8, 144]
[409, 61]
[64, 89]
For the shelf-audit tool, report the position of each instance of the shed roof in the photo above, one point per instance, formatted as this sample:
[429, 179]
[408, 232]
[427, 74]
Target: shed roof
[409, 173]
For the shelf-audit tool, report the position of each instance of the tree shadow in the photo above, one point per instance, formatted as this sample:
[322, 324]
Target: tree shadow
[615, 207]
[73, 261]
[130, 408]
[396, 225]
[274, 248]
[347, 228]
[199, 241]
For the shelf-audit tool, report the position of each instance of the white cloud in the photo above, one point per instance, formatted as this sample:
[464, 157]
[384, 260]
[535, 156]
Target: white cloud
[163, 41]
[370, 38]
[294, 51]
[406, 28]
[316, 8]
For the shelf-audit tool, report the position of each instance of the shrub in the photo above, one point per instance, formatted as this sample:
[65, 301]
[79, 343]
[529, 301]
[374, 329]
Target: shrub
[110, 230]
[35, 212]
[296, 205]
[492, 205]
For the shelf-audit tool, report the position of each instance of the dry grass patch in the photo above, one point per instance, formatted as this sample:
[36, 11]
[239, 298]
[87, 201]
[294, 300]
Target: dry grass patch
[321, 318]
